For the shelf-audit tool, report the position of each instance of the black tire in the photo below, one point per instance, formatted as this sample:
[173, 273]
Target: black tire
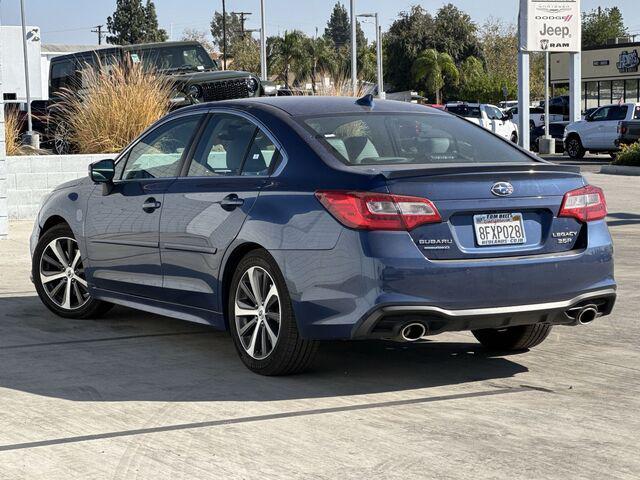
[521, 337]
[91, 309]
[291, 353]
[514, 137]
[532, 125]
[574, 148]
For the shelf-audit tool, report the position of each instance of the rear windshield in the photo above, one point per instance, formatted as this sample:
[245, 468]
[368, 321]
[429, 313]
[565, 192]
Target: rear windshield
[391, 139]
[465, 111]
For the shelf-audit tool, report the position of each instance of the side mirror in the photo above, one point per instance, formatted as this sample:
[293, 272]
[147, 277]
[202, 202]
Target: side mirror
[102, 171]
[506, 117]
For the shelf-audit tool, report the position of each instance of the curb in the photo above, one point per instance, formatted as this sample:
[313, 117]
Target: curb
[620, 170]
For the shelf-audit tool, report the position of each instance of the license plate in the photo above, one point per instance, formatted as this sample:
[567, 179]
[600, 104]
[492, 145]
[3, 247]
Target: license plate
[499, 229]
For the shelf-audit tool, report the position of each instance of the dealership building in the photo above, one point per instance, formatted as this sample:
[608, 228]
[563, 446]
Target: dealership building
[610, 74]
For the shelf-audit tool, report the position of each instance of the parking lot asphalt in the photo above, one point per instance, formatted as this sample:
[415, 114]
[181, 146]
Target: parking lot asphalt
[135, 395]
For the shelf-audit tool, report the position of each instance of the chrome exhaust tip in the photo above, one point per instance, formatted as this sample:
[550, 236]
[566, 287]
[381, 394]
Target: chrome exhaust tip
[587, 315]
[413, 332]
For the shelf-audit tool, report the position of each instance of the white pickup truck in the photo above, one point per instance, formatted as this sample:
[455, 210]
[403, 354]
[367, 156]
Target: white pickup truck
[536, 117]
[487, 116]
[598, 131]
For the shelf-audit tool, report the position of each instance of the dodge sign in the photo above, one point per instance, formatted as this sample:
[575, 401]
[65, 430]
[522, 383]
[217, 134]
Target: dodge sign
[550, 26]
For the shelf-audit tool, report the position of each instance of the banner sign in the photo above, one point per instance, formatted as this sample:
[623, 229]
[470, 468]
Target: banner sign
[550, 26]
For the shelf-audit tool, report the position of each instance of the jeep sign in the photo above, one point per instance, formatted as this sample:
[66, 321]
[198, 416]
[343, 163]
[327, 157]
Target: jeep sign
[550, 26]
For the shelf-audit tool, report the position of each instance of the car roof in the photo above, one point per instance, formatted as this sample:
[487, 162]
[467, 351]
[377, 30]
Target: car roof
[300, 106]
[122, 48]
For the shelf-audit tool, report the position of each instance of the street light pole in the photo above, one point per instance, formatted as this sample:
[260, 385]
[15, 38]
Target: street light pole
[263, 43]
[378, 52]
[26, 74]
[354, 50]
[224, 35]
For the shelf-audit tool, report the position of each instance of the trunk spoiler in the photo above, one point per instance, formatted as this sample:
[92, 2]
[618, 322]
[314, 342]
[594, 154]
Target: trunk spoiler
[401, 171]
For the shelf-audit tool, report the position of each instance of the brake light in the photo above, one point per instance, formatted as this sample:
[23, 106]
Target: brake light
[378, 211]
[586, 204]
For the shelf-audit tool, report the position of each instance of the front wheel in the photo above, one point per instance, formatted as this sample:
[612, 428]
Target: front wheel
[514, 137]
[521, 337]
[58, 275]
[574, 148]
[261, 319]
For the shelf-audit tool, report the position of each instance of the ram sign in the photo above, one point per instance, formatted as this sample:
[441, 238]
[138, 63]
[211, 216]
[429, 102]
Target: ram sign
[550, 26]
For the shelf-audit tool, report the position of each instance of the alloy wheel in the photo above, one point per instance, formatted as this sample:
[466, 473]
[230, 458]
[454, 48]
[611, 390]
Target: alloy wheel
[257, 313]
[62, 274]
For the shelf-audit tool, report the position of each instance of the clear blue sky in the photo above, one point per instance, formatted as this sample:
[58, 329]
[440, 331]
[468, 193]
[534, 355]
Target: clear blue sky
[70, 21]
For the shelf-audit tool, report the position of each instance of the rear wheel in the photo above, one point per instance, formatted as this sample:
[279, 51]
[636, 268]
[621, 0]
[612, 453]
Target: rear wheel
[514, 137]
[58, 275]
[574, 147]
[261, 319]
[513, 338]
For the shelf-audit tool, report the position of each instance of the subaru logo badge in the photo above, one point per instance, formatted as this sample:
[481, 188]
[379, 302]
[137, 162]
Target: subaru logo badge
[502, 189]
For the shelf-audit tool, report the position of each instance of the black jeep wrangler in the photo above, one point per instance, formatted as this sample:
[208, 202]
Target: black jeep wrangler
[196, 76]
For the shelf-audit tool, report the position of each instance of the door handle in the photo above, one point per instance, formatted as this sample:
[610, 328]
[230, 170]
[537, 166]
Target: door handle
[231, 202]
[150, 205]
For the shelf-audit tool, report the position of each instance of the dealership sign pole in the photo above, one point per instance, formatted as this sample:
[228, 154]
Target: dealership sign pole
[548, 26]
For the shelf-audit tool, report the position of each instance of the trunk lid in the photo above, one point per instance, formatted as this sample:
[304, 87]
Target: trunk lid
[526, 196]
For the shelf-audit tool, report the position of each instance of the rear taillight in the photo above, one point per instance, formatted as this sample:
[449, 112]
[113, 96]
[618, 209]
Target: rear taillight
[586, 204]
[378, 211]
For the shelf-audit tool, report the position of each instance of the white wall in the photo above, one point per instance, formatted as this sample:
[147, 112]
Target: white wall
[30, 178]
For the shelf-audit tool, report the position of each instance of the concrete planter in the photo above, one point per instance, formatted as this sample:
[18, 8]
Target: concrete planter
[30, 178]
[620, 170]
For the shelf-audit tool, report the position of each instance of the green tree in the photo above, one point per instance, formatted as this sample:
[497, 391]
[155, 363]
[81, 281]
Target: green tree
[246, 55]
[410, 34]
[322, 58]
[338, 28]
[434, 70]
[455, 33]
[600, 25]
[289, 58]
[132, 22]
[234, 29]
[127, 24]
[152, 31]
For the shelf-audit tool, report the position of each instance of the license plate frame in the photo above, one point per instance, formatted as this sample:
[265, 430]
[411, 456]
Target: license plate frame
[499, 229]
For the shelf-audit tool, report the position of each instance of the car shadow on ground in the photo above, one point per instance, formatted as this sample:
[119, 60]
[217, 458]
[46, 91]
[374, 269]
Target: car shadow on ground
[133, 356]
[622, 218]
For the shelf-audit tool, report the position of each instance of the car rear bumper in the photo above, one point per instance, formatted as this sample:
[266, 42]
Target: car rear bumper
[387, 321]
[373, 276]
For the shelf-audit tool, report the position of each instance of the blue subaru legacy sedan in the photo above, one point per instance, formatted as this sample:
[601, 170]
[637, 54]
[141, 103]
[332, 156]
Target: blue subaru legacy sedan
[293, 220]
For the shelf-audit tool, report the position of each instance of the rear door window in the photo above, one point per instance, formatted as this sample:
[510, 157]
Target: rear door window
[618, 113]
[223, 147]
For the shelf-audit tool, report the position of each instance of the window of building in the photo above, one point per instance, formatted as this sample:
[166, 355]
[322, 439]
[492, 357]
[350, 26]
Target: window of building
[591, 95]
[631, 87]
[605, 93]
[617, 91]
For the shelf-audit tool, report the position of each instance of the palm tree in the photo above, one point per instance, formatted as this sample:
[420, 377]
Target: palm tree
[288, 55]
[322, 58]
[435, 70]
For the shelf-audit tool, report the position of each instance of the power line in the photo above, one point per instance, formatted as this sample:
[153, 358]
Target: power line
[243, 18]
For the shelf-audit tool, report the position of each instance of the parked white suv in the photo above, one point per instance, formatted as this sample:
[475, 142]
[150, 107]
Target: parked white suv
[598, 131]
[487, 116]
[536, 117]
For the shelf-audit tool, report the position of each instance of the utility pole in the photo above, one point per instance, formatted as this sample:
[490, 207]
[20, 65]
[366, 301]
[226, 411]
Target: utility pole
[263, 43]
[224, 36]
[354, 50]
[243, 19]
[98, 30]
[30, 137]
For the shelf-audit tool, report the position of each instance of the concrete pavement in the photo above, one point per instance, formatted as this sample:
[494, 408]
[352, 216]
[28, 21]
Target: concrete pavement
[139, 396]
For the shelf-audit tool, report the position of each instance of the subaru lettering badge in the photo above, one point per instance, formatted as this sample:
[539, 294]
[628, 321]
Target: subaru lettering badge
[502, 189]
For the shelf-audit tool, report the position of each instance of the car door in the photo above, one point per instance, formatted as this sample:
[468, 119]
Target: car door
[609, 128]
[499, 125]
[205, 208]
[590, 131]
[123, 220]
